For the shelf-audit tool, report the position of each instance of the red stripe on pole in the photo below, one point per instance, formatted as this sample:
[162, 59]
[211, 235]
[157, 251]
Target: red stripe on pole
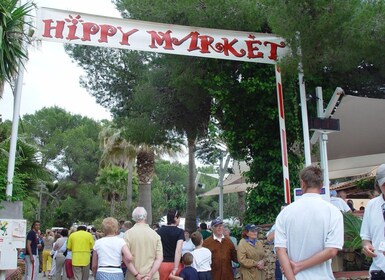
[284, 147]
[280, 96]
[287, 191]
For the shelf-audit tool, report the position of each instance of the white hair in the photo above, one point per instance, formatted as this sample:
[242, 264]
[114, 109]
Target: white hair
[139, 214]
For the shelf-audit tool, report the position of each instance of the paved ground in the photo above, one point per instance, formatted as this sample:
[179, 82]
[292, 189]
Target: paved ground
[40, 277]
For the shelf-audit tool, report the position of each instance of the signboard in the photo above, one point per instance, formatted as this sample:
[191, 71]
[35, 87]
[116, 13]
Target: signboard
[12, 236]
[298, 194]
[79, 28]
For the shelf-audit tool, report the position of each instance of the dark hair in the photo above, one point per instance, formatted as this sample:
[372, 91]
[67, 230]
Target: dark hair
[187, 258]
[64, 232]
[196, 238]
[82, 228]
[312, 177]
[244, 233]
[203, 226]
[172, 215]
[34, 223]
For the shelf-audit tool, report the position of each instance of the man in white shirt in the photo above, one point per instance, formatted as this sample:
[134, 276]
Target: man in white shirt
[339, 202]
[373, 228]
[309, 232]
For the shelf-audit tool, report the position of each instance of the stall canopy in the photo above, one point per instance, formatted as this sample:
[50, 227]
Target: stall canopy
[234, 182]
[359, 147]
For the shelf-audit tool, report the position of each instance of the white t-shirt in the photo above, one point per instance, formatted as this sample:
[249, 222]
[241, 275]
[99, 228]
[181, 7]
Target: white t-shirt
[373, 229]
[109, 250]
[202, 259]
[340, 204]
[187, 246]
[307, 227]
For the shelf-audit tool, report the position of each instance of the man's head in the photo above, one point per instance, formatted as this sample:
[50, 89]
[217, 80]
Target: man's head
[311, 178]
[196, 238]
[380, 178]
[35, 226]
[82, 227]
[139, 214]
[187, 259]
[203, 226]
[173, 217]
[127, 225]
[217, 227]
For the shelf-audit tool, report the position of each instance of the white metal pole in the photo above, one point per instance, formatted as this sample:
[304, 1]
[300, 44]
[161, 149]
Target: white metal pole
[282, 129]
[15, 126]
[220, 183]
[302, 94]
[16, 114]
[323, 142]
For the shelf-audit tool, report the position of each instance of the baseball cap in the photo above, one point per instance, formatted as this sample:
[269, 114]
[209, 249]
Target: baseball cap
[333, 193]
[251, 227]
[380, 175]
[216, 222]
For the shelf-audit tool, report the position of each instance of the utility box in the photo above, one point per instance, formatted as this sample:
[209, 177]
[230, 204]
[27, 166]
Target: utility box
[12, 236]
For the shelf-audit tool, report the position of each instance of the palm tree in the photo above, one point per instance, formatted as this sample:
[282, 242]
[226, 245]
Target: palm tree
[112, 181]
[12, 37]
[119, 152]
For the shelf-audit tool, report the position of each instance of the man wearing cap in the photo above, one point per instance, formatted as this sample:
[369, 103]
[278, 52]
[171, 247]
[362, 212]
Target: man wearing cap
[373, 228]
[222, 250]
[339, 202]
[309, 232]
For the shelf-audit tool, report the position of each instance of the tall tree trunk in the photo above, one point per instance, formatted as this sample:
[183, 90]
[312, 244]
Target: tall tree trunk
[144, 200]
[130, 171]
[191, 214]
[112, 209]
[145, 165]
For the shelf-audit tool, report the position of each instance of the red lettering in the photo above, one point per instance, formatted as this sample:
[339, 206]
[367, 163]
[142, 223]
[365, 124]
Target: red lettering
[58, 28]
[273, 48]
[89, 28]
[228, 48]
[126, 35]
[206, 42]
[105, 32]
[72, 32]
[251, 48]
[194, 41]
[158, 38]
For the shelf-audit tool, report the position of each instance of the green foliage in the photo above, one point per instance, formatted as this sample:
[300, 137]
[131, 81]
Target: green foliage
[366, 184]
[352, 227]
[12, 20]
[28, 170]
[85, 207]
[169, 188]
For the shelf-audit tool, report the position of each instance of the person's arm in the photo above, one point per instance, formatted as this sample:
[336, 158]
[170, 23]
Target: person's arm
[155, 265]
[94, 262]
[173, 277]
[127, 256]
[178, 256]
[29, 250]
[285, 263]
[316, 259]
[368, 249]
[270, 236]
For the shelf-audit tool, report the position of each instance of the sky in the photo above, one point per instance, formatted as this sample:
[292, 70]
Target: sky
[51, 78]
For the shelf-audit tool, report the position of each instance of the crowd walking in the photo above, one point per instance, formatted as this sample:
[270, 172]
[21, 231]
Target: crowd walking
[307, 234]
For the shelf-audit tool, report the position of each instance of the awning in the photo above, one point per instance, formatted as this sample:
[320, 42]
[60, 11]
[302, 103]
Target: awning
[233, 182]
[359, 148]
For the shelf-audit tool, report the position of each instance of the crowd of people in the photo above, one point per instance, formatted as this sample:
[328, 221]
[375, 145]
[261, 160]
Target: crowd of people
[307, 235]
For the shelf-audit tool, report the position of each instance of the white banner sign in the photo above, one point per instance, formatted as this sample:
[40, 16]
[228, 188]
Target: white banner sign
[78, 28]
